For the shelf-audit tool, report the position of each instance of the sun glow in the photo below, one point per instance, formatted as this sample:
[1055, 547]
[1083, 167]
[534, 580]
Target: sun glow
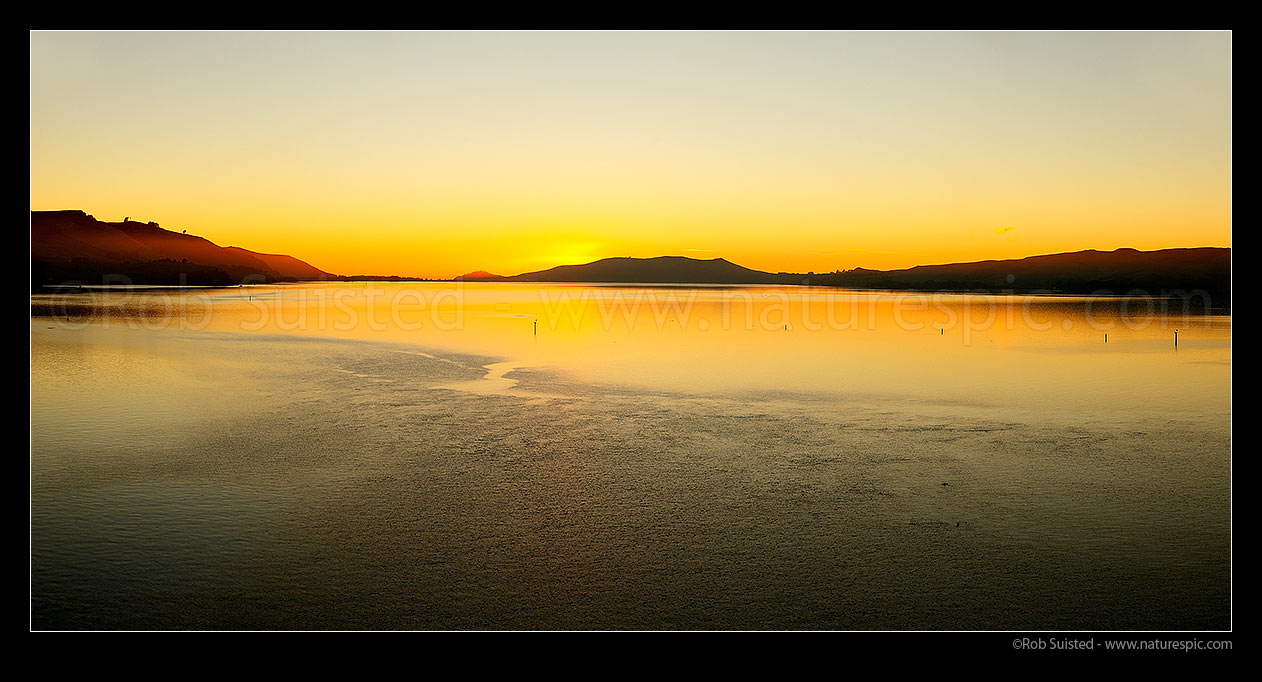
[435, 154]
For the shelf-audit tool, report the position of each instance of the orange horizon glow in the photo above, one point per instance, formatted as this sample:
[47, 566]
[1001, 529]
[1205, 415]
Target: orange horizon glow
[436, 154]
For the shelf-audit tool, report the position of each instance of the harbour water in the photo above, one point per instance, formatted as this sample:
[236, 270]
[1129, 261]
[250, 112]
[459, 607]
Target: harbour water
[523, 456]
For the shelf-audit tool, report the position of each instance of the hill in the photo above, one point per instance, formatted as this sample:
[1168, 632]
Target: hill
[74, 246]
[1119, 271]
[659, 270]
[479, 276]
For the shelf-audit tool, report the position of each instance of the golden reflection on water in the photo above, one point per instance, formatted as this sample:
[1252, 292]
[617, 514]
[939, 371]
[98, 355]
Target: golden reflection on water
[261, 453]
[1035, 352]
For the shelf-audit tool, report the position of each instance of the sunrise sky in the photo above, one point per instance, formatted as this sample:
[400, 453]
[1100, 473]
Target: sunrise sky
[434, 154]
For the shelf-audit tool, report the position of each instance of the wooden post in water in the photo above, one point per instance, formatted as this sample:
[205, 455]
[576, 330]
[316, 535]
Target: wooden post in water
[536, 327]
[1106, 337]
[1176, 338]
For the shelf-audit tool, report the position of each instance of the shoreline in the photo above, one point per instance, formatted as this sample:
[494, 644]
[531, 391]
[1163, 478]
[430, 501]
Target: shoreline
[1195, 298]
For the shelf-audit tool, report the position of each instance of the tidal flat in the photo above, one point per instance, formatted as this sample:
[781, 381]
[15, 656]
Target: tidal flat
[519, 468]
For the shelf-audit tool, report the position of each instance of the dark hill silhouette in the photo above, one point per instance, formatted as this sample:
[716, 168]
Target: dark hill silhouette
[1174, 272]
[659, 270]
[480, 276]
[1119, 271]
[74, 246]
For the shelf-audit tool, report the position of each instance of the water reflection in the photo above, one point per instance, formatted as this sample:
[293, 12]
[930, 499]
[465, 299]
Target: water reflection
[439, 456]
[1071, 353]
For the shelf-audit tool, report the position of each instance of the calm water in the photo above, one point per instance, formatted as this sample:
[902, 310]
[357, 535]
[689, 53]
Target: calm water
[534, 456]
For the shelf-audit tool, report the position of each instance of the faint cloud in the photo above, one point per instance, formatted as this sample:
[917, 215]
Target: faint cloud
[701, 250]
[1004, 230]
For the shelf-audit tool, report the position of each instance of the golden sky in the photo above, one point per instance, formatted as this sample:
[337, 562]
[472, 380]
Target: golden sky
[434, 154]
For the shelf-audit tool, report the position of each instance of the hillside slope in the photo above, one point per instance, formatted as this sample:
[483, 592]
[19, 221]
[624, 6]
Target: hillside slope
[1119, 271]
[659, 270]
[74, 246]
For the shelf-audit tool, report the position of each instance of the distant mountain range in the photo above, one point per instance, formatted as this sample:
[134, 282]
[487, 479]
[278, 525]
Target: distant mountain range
[660, 270]
[1119, 271]
[74, 246]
